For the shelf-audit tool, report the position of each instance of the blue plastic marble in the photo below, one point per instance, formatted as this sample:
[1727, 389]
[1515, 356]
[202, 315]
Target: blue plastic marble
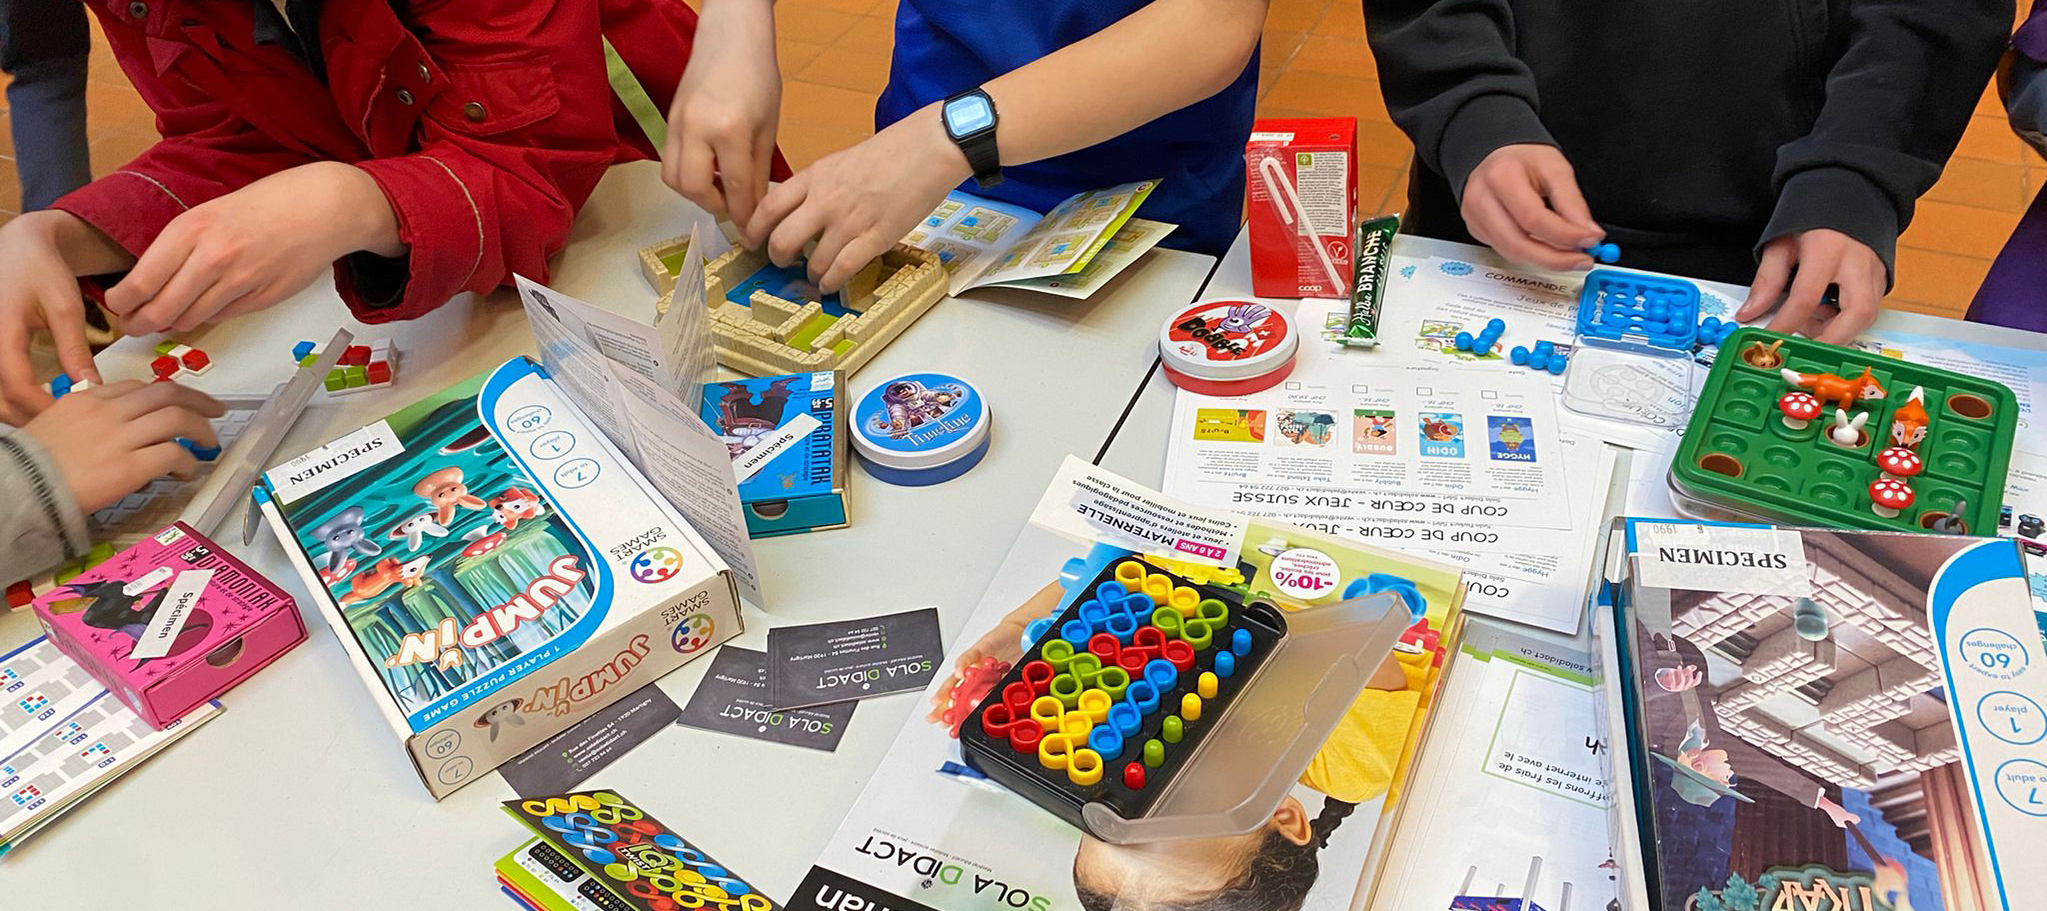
[1644, 313]
[1557, 365]
[1543, 348]
[1538, 360]
[1519, 355]
[1462, 340]
[1605, 253]
[1495, 326]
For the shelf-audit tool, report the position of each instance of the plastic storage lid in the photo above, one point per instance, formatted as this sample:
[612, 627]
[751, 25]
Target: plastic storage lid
[918, 421]
[1262, 744]
[1228, 340]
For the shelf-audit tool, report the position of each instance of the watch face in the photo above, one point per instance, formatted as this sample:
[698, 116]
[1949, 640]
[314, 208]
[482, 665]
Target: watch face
[969, 115]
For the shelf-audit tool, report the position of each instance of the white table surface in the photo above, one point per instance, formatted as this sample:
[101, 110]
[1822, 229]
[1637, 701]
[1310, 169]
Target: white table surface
[298, 796]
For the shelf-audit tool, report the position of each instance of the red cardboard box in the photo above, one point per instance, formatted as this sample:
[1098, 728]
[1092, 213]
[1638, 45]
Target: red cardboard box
[1303, 199]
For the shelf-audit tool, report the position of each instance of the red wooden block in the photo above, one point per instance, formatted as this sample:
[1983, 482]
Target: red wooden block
[164, 366]
[379, 372]
[355, 356]
[196, 359]
[20, 594]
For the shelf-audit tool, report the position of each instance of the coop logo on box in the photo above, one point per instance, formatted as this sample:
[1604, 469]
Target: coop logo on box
[655, 564]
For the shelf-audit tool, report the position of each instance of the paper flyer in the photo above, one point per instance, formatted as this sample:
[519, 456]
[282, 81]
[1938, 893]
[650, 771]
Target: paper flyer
[982, 242]
[623, 375]
[928, 834]
[1510, 798]
[1474, 468]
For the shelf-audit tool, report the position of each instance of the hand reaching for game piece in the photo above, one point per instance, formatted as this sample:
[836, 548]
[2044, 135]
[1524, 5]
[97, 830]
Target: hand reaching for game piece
[1523, 201]
[110, 441]
[1810, 261]
[721, 136]
[857, 202]
[40, 291]
[254, 247]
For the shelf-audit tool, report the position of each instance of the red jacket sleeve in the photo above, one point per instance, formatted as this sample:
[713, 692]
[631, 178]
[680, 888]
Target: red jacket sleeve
[206, 151]
[508, 148]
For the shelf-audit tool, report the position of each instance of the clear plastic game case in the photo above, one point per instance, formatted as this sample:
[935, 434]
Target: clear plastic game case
[1235, 764]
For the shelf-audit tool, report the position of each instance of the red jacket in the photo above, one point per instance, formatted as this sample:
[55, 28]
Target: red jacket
[486, 122]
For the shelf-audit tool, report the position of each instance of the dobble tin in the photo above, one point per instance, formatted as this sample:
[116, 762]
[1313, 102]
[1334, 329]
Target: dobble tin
[921, 428]
[1228, 347]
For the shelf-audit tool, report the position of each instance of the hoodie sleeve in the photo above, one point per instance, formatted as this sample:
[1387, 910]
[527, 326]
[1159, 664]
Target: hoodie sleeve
[40, 525]
[1452, 82]
[1897, 99]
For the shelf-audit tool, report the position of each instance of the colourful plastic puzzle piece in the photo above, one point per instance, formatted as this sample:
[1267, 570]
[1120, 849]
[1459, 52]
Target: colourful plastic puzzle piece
[1605, 252]
[1642, 312]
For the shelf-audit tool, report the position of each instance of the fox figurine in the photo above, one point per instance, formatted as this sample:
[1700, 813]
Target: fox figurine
[1908, 423]
[1841, 392]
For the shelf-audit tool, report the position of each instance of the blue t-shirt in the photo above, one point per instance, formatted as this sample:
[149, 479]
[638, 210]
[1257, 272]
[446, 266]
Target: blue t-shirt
[944, 47]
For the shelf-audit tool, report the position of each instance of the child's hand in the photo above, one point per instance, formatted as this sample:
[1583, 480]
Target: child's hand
[1821, 257]
[721, 125]
[37, 291]
[254, 247]
[109, 441]
[857, 202]
[1523, 201]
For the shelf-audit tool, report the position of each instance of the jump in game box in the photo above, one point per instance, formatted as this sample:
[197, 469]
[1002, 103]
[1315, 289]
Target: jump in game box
[788, 443]
[1838, 720]
[495, 569]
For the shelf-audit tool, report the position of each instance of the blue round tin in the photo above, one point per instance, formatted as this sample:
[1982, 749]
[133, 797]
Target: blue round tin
[921, 428]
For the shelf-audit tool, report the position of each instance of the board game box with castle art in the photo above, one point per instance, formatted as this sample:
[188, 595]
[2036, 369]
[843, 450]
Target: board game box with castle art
[495, 568]
[1808, 720]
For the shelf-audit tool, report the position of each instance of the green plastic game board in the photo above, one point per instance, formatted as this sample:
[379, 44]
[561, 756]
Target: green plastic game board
[1739, 455]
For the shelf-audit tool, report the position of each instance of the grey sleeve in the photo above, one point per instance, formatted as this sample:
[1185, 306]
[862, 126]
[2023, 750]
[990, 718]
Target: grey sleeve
[40, 525]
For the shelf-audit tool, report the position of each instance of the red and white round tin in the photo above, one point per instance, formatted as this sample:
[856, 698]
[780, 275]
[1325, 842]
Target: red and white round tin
[1228, 347]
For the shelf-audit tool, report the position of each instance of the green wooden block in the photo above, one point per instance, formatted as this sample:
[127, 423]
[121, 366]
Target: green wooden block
[336, 380]
[308, 360]
[165, 347]
[356, 376]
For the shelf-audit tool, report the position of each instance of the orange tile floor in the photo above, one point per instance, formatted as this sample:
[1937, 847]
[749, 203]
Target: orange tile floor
[834, 58]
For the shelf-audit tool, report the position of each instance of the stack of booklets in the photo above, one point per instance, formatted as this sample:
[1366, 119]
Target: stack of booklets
[63, 737]
[1837, 720]
[931, 833]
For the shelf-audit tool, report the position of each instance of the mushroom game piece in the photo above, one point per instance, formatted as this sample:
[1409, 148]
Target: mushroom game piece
[1799, 408]
[1766, 356]
[1899, 462]
[1889, 496]
[1846, 432]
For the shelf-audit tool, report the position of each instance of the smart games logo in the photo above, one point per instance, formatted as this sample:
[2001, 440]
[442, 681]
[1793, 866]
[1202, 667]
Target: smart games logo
[694, 634]
[656, 564]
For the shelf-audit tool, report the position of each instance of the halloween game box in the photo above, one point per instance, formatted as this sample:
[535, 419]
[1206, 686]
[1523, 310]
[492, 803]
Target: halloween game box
[496, 569]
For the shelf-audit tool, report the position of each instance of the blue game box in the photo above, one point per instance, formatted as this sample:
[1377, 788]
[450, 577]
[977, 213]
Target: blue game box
[788, 449]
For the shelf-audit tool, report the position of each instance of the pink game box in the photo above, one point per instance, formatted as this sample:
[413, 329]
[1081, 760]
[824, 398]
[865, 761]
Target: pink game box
[170, 623]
